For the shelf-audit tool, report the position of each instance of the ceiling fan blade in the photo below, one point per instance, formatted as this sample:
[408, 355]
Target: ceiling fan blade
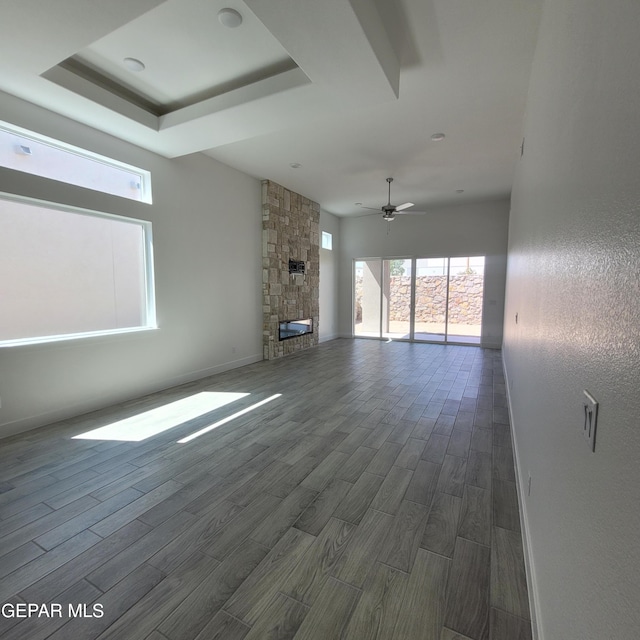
[406, 205]
[372, 208]
[411, 213]
[364, 215]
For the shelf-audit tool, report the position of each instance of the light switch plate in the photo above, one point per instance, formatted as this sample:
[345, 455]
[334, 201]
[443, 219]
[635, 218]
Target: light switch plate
[590, 419]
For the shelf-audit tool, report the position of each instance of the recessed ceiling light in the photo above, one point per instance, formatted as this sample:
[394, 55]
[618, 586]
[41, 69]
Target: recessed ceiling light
[436, 137]
[358, 204]
[230, 18]
[459, 190]
[295, 165]
[133, 64]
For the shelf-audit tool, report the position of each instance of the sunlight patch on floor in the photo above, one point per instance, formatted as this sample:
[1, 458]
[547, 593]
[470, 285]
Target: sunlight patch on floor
[150, 423]
[228, 419]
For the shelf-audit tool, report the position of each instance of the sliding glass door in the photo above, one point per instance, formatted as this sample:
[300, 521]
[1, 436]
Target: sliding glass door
[420, 299]
[466, 292]
[367, 299]
[396, 299]
[432, 275]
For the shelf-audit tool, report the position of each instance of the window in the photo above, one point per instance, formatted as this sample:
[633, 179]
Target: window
[68, 272]
[327, 240]
[38, 155]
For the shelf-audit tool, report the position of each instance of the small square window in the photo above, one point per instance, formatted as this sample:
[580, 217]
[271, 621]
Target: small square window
[327, 240]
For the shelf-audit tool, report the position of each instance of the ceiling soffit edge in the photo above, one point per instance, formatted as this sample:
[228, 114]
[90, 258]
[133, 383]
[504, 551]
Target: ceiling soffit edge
[357, 65]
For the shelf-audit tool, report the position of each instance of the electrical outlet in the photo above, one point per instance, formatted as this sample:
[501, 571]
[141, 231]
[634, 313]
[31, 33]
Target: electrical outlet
[590, 419]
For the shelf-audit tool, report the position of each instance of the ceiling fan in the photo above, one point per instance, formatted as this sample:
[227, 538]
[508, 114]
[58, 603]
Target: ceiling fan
[389, 211]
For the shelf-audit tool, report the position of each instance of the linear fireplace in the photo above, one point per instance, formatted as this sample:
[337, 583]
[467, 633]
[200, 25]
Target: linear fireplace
[293, 328]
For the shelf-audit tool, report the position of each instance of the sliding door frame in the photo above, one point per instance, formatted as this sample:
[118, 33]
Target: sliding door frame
[412, 303]
[446, 303]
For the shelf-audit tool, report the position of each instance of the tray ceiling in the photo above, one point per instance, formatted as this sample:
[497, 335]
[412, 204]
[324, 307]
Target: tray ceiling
[351, 90]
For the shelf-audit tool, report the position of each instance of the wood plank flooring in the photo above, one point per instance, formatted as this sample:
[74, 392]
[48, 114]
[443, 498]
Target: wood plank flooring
[375, 498]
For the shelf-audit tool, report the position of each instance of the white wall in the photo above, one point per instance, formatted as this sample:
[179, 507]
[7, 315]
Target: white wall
[207, 245]
[574, 281]
[462, 230]
[329, 278]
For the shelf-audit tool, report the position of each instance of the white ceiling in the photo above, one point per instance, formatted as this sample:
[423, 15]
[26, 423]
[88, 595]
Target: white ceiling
[350, 89]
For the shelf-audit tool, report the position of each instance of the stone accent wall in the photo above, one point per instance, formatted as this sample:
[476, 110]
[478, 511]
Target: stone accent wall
[465, 299]
[290, 231]
[465, 293]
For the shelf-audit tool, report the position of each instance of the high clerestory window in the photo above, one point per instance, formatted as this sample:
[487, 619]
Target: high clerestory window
[30, 152]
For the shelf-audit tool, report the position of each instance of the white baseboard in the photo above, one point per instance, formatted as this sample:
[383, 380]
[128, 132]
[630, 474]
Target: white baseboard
[211, 371]
[524, 522]
[70, 411]
[332, 336]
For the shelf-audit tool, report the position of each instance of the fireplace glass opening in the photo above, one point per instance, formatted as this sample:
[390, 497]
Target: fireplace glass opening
[293, 328]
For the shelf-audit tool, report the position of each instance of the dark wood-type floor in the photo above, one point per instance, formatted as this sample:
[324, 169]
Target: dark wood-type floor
[375, 498]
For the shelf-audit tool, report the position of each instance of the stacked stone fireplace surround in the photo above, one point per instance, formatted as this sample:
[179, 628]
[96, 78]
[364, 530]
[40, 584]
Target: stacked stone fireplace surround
[290, 231]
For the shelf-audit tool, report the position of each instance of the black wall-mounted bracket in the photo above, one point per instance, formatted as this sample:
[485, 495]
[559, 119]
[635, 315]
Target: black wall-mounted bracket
[296, 266]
